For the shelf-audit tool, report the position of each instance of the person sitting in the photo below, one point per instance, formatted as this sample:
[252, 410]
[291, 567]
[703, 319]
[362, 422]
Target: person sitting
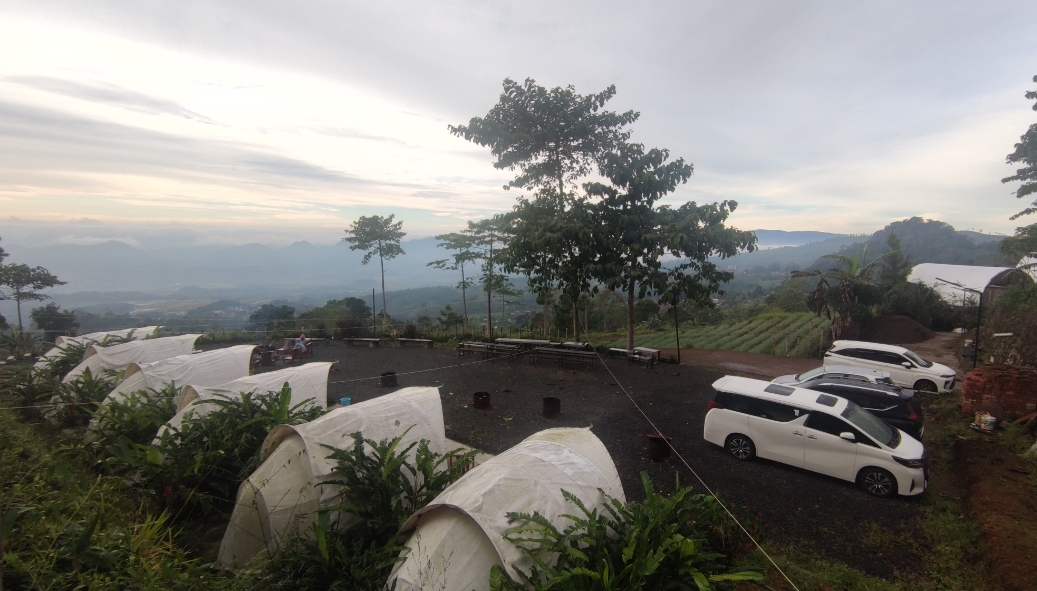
[300, 343]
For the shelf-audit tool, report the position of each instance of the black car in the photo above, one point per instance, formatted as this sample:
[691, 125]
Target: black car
[895, 406]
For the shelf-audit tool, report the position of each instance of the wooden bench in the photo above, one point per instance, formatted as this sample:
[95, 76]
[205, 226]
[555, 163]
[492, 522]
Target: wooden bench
[648, 360]
[426, 342]
[646, 352]
[563, 356]
[486, 349]
[362, 340]
[617, 352]
[294, 354]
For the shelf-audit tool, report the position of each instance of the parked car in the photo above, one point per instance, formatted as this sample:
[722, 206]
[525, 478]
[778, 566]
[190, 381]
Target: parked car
[906, 368]
[871, 376]
[894, 405]
[816, 431]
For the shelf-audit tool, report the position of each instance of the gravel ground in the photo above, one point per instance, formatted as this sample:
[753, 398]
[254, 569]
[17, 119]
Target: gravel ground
[829, 517]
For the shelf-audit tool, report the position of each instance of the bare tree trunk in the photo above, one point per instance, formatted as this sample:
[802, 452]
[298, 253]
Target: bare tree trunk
[18, 303]
[385, 311]
[630, 318]
[576, 320]
[489, 293]
[464, 296]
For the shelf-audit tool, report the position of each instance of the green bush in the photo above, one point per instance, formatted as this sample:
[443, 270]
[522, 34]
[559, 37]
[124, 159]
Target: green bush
[137, 417]
[380, 490]
[196, 469]
[659, 543]
[921, 303]
[80, 397]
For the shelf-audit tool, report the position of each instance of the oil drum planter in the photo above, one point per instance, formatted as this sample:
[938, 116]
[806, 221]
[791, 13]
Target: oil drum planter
[387, 380]
[481, 400]
[552, 407]
[659, 448]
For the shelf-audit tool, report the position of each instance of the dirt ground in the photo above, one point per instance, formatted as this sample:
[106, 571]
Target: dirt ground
[789, 505]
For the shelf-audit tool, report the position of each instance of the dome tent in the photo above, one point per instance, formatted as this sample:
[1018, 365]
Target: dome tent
[976, 279]
[460, 535]
[61, 342]
[201, 369]
[119, 357]
[308, 382]
[282, 496]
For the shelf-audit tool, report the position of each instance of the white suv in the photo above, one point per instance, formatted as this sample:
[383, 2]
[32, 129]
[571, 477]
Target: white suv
[816, 431]
[907, 369]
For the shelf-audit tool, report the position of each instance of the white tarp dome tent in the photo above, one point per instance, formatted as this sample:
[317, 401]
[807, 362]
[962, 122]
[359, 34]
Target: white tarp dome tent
[119, 357]
[308, 382]
[979, 279]
[460, 535]
[282, 496]
[1028, 265]
[210, 368]
[61, 342]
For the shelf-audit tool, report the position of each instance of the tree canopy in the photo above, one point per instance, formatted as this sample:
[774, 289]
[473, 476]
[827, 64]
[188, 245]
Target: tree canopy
[53, 321]
[552, 136]
[461, 245]
[23, 283]
[1025, 153]
[380, 236]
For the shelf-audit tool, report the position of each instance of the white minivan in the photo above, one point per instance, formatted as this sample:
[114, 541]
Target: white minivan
[906, 368]
[816, 431]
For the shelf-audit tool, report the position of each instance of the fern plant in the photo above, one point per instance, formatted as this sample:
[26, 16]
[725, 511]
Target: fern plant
[659, 543]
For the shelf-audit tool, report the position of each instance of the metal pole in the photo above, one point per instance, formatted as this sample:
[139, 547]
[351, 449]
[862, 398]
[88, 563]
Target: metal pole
[677, 331]
[374, 315]
[979, 319]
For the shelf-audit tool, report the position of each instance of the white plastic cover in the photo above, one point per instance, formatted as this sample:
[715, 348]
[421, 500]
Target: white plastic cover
[309, 382]
[938, 277]
[282, 496]
[210, 368]
[119, 357]
[61, 342]
[460, 536]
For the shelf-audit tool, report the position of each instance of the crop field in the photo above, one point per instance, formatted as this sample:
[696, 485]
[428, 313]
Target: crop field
[792, 334]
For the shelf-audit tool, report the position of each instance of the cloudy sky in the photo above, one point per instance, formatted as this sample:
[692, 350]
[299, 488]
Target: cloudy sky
[273, 122]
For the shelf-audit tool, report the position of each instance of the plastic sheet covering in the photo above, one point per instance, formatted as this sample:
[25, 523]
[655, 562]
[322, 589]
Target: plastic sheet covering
[95, 337]
[308, 382]
[202, 369]
[458, 538]
[119, 357]
[282, 496]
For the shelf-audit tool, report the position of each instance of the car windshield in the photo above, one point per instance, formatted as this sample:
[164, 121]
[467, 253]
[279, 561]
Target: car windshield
[918, 360]
[867, 422]
[809, 375]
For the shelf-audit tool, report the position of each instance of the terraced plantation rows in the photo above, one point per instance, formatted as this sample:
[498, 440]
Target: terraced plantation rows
[796, 335]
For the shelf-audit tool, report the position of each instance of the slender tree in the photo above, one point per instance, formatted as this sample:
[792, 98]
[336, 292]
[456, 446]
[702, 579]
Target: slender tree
[630, 230]
[1024, 242]
[489, 237]
[23, 283]
[461, 245]
[380, 236]
[53, 321]
[896, 265]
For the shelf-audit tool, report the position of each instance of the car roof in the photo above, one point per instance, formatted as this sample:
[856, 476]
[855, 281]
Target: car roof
[857, 371]
[867, 345]
[802, 397]
[883, 389]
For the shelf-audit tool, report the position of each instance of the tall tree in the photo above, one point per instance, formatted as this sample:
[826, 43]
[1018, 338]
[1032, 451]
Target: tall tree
[488, 237]
[1024, 243]
[461, 245]
[23, 283]
[630, 230]
[896, 266]
[53, 321]
[380, 236]
[551, 136]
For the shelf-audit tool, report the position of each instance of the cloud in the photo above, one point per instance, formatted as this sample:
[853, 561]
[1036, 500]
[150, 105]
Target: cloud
[109, 94]
[90, 240]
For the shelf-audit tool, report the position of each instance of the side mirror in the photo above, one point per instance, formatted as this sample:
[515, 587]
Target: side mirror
[907, 364]
[848, 436]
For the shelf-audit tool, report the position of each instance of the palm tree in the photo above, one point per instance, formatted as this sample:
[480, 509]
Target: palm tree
[852, 296]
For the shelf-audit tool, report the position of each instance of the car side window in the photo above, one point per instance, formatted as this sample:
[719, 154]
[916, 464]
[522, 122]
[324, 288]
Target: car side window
[898, 359]
[737, 402]
[776, 411]
[879, 356]
[826, 423]
[855, 353]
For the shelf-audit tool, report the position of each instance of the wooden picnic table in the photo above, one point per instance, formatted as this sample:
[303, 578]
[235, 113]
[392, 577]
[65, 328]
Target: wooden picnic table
[486, 349]
[363, 340]
[656, 353]
[563, 356]
[426, 342]
[576, 345]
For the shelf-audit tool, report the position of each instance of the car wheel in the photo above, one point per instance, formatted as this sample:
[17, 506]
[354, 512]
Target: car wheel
[741, 447]
[926, 386]
[877, 482]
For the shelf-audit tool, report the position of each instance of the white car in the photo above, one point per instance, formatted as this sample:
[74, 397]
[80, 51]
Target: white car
[815, 431]
[907, 369]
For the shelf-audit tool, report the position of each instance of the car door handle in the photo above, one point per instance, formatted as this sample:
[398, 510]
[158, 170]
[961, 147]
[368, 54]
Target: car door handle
[811, 437]
[797, 433]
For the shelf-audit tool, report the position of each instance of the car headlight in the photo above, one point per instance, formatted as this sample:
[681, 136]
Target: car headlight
[919, 463]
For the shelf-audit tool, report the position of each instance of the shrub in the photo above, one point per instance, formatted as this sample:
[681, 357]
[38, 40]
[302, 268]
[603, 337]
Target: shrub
[78, 399]
[658, 543]
[410, 331]
[196, 469]
[921, 303]
[380, 489]
[349, 327]
[137, 417]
